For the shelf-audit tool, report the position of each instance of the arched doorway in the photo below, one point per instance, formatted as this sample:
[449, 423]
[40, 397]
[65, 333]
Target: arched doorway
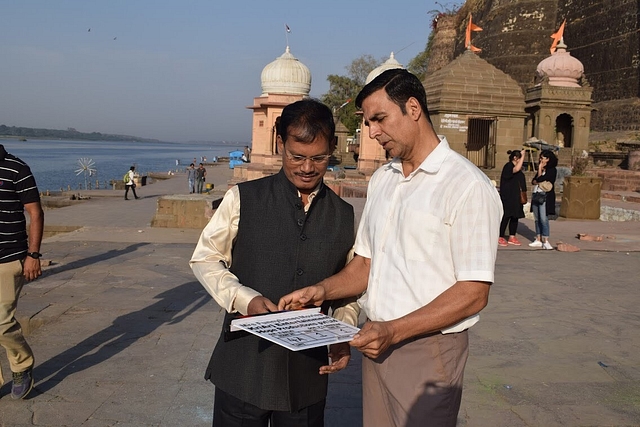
[564, 130]
[274, 134]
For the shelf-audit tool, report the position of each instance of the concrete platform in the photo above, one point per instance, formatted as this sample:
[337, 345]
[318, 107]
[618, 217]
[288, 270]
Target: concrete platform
[122, 331]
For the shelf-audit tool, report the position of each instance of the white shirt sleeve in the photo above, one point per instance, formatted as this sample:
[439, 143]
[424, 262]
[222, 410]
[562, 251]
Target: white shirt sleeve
[211, 259]
[475, 224]
[346, 310]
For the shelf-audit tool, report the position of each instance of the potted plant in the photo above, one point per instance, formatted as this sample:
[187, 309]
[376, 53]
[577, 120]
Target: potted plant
[581, 193]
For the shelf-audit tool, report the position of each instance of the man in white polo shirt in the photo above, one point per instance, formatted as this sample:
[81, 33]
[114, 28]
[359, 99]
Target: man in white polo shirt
[425, 261]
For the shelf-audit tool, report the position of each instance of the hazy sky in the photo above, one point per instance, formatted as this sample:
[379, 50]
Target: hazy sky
[181, 70]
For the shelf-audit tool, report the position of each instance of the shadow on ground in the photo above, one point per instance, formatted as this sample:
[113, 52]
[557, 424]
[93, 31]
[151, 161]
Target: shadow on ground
[122, 333]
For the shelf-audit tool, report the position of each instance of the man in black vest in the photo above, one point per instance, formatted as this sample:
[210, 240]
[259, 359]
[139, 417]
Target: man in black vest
[270, 237]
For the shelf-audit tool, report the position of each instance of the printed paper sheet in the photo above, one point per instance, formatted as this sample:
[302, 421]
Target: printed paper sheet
[298, 329]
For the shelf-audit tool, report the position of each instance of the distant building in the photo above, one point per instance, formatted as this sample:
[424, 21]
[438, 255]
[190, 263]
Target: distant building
[284, 81]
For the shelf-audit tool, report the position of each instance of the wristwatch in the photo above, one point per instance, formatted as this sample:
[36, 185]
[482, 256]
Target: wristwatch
[34, 255]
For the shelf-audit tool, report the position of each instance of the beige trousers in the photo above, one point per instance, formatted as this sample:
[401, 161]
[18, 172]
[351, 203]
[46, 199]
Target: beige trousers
[417, 383]
[18, 351]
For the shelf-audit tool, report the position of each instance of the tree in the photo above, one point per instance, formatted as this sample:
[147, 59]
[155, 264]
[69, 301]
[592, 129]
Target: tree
[360, 68]
[418, 65]
[344, 89]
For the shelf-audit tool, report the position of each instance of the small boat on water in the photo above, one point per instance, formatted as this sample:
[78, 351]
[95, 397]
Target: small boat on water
[23, 139]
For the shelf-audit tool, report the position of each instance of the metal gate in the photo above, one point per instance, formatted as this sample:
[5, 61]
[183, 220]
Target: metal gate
[481, 141]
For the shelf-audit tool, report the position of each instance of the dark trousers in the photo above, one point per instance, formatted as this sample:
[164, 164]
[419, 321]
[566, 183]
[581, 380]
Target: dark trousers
[513, 225]
[126, 191]
[229, 411]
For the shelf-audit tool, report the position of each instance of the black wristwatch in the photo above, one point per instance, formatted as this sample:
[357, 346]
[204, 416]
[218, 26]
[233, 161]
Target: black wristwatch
[34, 255]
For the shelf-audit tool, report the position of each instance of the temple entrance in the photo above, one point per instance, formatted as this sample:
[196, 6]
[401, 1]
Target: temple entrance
[564, 130]
[274, 135]
[481, 142]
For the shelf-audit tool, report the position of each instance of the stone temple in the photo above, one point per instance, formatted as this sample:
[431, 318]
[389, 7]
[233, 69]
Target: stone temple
[485, 103]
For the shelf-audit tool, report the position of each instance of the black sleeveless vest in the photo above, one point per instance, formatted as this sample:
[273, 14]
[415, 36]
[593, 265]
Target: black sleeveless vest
[279, 249]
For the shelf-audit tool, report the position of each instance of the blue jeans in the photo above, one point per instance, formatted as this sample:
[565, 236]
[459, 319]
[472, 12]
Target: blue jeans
[192, 186]
[200, 184]
[541, 219]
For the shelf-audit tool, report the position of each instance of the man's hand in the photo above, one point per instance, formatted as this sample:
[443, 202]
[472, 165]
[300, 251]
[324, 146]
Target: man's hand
[340, 354]
[259, 305]
[374, 339]
[311, 295]
[31, 268]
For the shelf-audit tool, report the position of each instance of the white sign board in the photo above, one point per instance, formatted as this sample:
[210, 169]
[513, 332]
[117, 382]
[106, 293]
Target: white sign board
[297, 330]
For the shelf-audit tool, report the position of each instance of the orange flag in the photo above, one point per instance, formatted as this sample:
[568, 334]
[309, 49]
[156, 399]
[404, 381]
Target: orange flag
[467, 40]
[557, 36]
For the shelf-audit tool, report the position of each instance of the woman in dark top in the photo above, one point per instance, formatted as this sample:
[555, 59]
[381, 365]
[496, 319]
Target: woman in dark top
[541, 210]
[512, 181]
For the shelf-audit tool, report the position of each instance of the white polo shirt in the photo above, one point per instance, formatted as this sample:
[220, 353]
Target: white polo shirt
[425, 232]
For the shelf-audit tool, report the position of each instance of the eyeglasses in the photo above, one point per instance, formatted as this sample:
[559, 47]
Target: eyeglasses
[297, 159]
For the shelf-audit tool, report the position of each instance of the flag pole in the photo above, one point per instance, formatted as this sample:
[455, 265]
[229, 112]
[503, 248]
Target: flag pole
[287, 30]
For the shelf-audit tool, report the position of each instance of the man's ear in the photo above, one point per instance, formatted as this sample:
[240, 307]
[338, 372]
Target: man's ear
[413, 108]
[280, 142]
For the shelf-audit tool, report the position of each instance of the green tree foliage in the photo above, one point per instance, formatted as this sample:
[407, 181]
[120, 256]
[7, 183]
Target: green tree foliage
[360, 68]
[346, 88]
[418, 65]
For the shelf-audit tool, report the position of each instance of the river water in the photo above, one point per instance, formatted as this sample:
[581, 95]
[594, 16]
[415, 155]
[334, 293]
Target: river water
[55, 163]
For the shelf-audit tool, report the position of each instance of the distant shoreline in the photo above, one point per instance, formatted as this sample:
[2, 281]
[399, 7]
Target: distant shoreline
[84, 139]
[149, 141]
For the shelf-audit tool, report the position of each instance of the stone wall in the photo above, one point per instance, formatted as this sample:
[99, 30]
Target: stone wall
[619, 180]
[515, 34]
[443, 43]
[616, 115]
[603, 35]
[184, 211]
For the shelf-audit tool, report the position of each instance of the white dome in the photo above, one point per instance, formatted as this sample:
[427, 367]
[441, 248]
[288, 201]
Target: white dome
[561, 68]
[286, 75]
[389, 64]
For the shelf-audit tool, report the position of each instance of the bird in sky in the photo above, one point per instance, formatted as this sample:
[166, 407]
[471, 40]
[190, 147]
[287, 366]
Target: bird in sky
[115, 38]
[89, 30]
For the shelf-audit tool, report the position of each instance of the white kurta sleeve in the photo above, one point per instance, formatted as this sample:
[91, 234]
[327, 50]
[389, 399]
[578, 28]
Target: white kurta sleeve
[211, 259]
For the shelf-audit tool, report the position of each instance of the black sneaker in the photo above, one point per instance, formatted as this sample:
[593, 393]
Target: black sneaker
[22, 384]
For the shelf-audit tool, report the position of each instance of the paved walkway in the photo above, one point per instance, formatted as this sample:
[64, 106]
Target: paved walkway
[122, 331]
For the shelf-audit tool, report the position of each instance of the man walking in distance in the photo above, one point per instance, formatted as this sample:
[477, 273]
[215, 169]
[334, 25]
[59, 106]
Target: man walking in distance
[19, 261]
[191, 178]
[130, 184]
[425, 258]
[201, 176]
[268, 237]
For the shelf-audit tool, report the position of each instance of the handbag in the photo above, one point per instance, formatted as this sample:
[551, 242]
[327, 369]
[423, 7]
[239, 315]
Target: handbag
[546, 186]
[539, 198]
[523, 197]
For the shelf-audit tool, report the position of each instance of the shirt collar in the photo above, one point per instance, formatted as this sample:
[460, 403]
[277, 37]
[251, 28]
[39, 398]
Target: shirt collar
[312, 196]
